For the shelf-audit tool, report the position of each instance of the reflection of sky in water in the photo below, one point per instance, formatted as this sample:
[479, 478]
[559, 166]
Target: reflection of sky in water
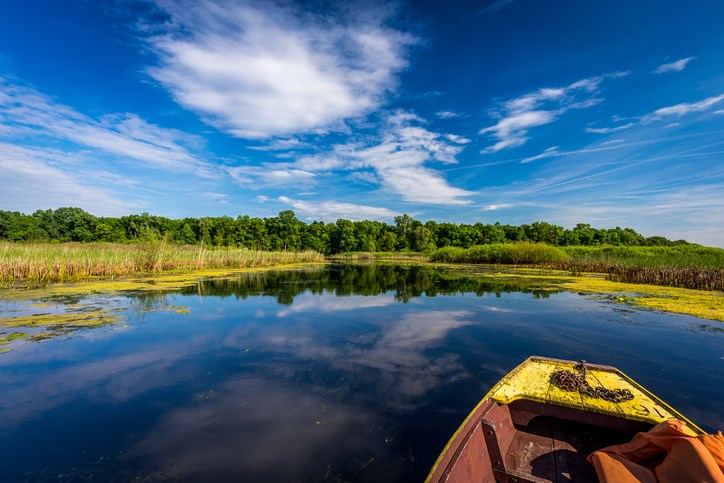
[312, 385]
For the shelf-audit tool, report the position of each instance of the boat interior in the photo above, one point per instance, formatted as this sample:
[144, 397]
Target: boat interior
[527, 441]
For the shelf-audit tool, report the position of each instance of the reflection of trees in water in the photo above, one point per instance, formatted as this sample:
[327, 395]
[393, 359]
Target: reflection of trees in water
[407, 282]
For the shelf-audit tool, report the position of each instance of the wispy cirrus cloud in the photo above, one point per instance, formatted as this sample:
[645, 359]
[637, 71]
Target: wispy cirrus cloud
[668, 113]
[281, 145]
[263, 70]
[495, 6]
[543, 106]
[682, 109]
[269, 175]
[31, 117]
[447, 114]
[607, 130]
[334, 210]
[676, 66]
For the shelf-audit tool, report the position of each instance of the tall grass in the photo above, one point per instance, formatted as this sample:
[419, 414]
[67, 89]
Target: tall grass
[523, 253]
[685, 256]
[687, 266]
[46, 262]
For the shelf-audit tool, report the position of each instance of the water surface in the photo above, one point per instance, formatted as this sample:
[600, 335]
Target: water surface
[346, 373]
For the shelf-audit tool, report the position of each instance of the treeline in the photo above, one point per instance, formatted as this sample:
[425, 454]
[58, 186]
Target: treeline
[286, 232]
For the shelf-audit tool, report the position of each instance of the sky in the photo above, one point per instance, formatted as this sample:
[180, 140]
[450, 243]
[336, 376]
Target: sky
[609, 113]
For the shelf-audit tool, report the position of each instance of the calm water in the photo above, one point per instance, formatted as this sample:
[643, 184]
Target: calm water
[352, 373]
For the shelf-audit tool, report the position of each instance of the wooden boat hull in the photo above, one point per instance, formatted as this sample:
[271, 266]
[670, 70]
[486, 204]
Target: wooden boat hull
[529, 429]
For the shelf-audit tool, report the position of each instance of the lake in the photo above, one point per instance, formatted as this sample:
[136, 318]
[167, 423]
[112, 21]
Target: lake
[338, 373]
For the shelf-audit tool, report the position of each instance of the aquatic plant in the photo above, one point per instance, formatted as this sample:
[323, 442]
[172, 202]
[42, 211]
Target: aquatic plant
[48, 262]
[522, 253]
[686, 266]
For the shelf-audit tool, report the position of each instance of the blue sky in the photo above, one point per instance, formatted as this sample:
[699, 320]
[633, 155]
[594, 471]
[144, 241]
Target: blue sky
[609, 113]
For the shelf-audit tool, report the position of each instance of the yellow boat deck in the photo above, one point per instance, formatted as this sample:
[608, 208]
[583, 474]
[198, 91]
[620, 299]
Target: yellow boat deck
[532, 380]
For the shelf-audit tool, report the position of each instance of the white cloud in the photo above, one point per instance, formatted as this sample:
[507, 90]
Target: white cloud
[258, 72]
[333, 210]
[281, 145]
[679, 110]
[677, 66]
[26, 113]
[319, 163]
[214, 196]
[495, 6]
[446, 114]
[539, 108]
[496, 207]
[32, 180]
[552, 151]
[399, 159]
[607, 130]
[512, 131]
[364, 177]
[257, 177]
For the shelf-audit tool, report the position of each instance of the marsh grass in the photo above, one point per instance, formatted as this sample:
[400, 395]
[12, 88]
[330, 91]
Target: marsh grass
[523, 253]
[46, 262]
[685, 266]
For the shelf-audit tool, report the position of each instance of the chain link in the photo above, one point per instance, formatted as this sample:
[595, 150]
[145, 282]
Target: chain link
[573, 382]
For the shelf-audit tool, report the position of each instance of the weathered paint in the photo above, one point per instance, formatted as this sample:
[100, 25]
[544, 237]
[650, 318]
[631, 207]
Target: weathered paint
[532, 380]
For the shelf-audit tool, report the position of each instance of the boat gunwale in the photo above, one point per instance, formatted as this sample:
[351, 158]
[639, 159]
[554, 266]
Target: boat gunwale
[490, 396]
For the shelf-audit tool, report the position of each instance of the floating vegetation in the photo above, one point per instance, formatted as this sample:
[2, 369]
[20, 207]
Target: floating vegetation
[686, 266]
[17, 335]
[5, 340]
[699, 303]
[50, 325]
[68, 320]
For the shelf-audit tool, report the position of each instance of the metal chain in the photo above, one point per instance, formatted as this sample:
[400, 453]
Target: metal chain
[570, 381]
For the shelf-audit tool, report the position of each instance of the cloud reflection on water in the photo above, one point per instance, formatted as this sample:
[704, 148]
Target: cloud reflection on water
[253, 425]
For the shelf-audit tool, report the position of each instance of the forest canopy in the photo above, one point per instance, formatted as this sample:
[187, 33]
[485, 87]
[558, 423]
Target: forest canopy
[286, 232]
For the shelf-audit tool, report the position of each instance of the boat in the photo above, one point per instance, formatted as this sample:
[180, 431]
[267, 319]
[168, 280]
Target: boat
[541, 421]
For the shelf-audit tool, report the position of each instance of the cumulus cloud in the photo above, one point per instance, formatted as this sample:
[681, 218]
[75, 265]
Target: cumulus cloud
[28, 114]
[333, 210]
[258, 72]
[397, 158]
[543, 106]
[677, 66]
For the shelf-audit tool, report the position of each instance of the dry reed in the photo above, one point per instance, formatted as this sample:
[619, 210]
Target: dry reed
[47, 262]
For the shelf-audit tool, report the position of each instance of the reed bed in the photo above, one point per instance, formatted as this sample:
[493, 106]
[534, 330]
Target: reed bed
[689, 266]
[47, 262]
[522, 253]
[686, 266]
[683, 256]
